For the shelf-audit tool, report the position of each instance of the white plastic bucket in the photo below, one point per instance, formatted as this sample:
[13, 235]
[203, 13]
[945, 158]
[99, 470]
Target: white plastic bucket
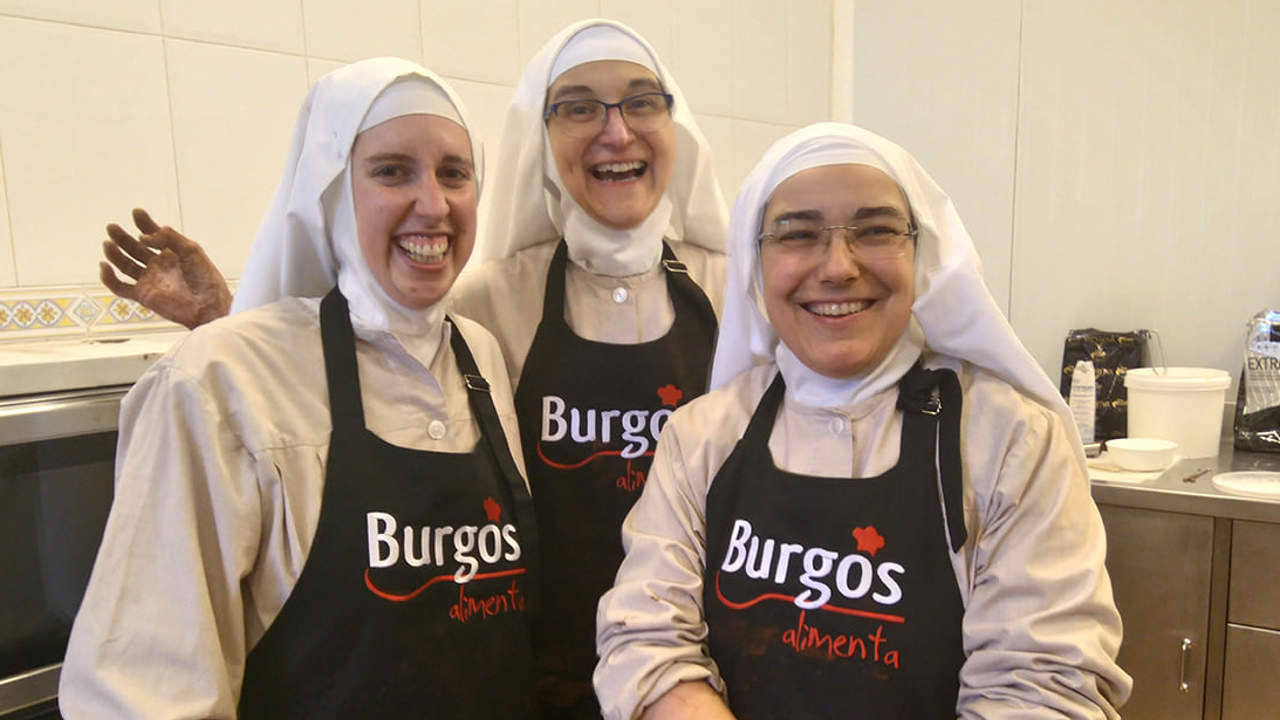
[1182, 404]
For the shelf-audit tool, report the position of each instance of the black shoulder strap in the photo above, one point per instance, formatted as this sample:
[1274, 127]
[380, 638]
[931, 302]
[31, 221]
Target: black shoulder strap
[553, 298]
[487, 416]
[683, 285]
[761, 424]
[340, 371]
[937, 394]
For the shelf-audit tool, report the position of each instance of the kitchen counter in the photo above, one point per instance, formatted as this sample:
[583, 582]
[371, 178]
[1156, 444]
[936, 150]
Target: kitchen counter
[59, 365]
[1193, 570]
[1187, 487]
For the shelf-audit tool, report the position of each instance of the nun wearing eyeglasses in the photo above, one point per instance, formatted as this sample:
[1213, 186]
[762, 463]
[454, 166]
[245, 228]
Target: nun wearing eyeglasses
[606, 237]
[881, 509]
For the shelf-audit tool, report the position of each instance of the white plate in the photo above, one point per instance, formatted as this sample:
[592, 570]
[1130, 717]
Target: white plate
[1254, 483]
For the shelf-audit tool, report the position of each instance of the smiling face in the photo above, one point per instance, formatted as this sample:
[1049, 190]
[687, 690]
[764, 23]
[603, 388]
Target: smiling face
[617, 175]
[414, 189]
[838, 313]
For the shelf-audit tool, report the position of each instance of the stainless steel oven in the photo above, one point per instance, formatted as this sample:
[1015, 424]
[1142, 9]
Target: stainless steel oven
[56, 467]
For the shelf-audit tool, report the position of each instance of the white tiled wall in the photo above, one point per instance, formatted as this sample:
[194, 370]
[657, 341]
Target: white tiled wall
[1148, 173]
[86, 134]
[921, 80]
[260, 24]
[351, 29]
[1116, 163]
[230, 137]
[135, 15]
[185, 106]
[450, 29]
[702, 56]
[540, 19]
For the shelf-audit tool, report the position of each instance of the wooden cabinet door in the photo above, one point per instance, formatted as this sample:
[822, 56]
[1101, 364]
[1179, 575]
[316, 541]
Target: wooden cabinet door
[1160, 565]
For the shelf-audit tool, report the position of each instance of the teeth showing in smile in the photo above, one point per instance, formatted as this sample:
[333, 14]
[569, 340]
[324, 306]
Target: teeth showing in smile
[837, 309]
[424, 248]
[612, 172]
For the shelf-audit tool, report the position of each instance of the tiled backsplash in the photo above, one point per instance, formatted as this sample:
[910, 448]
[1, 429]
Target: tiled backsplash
[61, 313]
[66, 312]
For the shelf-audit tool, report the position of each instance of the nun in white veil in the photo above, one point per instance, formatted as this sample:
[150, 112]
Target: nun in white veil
[529, 210]
[252, 562]
[605, 242]
[882, 509]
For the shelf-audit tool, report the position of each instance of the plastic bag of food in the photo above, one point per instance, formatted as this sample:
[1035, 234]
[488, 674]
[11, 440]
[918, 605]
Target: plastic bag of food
[1112, 354]
[1257, 422]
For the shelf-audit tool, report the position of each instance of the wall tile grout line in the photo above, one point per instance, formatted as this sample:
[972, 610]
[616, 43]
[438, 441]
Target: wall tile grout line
[306, 47]
[87, 26]
[1013, 190]
[8, 217]
[168, 90]
[163, 34]
[422, 43]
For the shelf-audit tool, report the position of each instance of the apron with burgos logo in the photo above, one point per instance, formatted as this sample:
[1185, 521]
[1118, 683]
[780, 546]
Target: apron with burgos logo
[835, 597]
[415, 598]
[589, 414]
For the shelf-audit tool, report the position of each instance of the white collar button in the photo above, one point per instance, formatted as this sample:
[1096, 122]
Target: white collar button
[436, 430]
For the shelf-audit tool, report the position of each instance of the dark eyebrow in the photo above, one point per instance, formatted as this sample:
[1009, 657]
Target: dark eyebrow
[642, 83]
[457, 160]
[813, 215]
[405, 157]
[571, 90]
[889, 210]
[387, 157]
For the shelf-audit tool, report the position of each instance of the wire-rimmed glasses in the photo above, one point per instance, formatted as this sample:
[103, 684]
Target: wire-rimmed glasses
[584, 117]
[807, 239]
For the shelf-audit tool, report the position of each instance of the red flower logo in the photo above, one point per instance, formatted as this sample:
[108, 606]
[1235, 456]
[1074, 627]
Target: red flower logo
[492, 509]
[869, 540]
[670, 394]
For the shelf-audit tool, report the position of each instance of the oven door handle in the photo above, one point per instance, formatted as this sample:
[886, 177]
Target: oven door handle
[57, 415]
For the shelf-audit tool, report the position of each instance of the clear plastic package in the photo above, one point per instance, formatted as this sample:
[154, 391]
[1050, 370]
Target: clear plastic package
[1257, 421]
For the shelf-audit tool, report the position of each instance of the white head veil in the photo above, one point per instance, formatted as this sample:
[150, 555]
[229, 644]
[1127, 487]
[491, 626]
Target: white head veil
[530, 206]
[307, 242]
[953, 314]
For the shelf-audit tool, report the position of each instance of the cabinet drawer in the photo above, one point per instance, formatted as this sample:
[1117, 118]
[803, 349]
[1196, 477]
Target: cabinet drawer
[1255, 566]
[1249, 687]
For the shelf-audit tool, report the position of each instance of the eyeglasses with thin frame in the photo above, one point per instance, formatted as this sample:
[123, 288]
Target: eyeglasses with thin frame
[805, 239]
[585, 117]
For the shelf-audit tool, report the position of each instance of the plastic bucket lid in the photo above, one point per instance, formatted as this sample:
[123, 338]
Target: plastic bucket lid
[1177, 379]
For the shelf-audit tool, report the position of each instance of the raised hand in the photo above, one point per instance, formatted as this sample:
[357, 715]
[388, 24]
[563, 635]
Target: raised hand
[172, 275]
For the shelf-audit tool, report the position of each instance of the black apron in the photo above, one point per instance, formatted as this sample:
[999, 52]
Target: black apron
[587, 460]
[826, 597]
[377, 625]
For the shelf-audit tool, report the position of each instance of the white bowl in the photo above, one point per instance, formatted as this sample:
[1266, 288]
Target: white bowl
[1141, 454]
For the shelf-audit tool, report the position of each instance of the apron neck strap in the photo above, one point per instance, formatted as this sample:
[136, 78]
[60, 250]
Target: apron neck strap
[478, 394]
[936, 394]
[338, 340]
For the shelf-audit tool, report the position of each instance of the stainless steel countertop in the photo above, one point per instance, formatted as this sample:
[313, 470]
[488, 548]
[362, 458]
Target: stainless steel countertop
[1174, 493]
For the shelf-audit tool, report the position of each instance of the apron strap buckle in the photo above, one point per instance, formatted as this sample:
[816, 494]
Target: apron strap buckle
[673, 265]
[934, 404]
[476, 382]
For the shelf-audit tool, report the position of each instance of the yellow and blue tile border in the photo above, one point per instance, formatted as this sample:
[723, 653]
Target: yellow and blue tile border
[71, 311]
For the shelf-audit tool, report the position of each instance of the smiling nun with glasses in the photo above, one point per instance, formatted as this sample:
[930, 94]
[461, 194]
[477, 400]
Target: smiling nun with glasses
[606, 235]
[881, 510]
